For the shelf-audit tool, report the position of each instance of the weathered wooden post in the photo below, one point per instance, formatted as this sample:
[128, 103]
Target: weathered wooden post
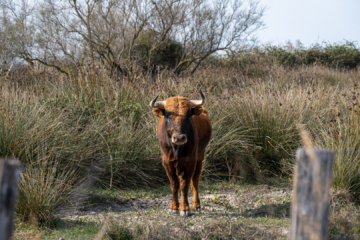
[9, 177]
[311, 194]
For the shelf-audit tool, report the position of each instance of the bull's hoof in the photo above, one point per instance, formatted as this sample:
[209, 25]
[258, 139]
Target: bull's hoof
[197, 209]
[185, 213]
[173, 211]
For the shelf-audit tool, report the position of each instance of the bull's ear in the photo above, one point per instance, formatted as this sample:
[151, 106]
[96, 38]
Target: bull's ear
[196, 111]
[159, 112]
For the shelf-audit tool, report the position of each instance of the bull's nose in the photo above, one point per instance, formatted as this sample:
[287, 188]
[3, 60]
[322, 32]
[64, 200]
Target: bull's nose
[179, 139]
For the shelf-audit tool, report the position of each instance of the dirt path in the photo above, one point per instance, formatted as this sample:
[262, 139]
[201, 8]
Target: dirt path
[259, 210]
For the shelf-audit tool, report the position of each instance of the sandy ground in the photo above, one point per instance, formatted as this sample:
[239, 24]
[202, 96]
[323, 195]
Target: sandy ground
[222, 206]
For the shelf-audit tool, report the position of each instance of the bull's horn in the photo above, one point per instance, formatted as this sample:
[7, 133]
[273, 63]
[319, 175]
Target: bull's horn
[198, 103]
[157, 104]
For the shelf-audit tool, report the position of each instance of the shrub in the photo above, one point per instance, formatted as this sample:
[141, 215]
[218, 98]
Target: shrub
[283, 56]
[151, 54]
[335, 55]
[341, 56]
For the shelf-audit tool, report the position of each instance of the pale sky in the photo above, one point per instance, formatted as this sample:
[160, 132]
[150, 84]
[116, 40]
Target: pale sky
[311, 21]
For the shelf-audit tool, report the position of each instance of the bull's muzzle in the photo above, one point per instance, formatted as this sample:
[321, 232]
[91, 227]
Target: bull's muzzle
[178, 139]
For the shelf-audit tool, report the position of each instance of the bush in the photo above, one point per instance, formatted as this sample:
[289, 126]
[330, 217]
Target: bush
[151, 54]
[341, 56]
[284, 57]
[335, 55]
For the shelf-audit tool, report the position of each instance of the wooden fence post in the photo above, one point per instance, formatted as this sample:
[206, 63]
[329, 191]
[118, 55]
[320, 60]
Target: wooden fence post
[311, 194]
[9, 177]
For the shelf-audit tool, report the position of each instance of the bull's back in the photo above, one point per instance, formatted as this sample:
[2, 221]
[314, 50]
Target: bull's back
[203, 127]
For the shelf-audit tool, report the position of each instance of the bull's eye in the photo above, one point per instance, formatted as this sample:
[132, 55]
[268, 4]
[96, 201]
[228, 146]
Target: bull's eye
[169, 130]
[188, 114]
[167, 114]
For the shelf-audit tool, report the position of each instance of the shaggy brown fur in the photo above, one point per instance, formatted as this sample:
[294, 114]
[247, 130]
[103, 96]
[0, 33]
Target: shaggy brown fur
[184, 133]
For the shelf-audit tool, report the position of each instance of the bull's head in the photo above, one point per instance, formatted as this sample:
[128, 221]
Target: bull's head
[177, 112]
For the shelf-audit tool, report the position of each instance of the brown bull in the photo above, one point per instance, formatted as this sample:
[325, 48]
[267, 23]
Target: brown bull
[184, 131]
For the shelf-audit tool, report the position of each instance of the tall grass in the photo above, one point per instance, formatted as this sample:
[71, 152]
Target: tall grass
[340, 132]
[43, 187]
[63, 124]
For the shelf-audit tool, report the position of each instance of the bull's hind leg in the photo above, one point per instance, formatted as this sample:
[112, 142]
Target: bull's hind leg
[174, 183]
[195, 185]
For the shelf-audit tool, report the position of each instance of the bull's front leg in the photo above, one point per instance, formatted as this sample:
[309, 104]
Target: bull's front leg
[174, 184]
[195, 185]
[184, 186]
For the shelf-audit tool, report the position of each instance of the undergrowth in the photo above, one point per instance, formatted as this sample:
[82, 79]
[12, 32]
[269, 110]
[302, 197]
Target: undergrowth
[92, 126]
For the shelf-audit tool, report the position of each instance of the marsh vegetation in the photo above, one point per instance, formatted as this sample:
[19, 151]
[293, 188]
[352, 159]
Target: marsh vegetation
[76, 80]
[91, 130]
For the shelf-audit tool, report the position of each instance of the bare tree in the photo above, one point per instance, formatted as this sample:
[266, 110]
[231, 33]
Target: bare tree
[15, 29]
[90, 30]
[217, 26]
[126, 34]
